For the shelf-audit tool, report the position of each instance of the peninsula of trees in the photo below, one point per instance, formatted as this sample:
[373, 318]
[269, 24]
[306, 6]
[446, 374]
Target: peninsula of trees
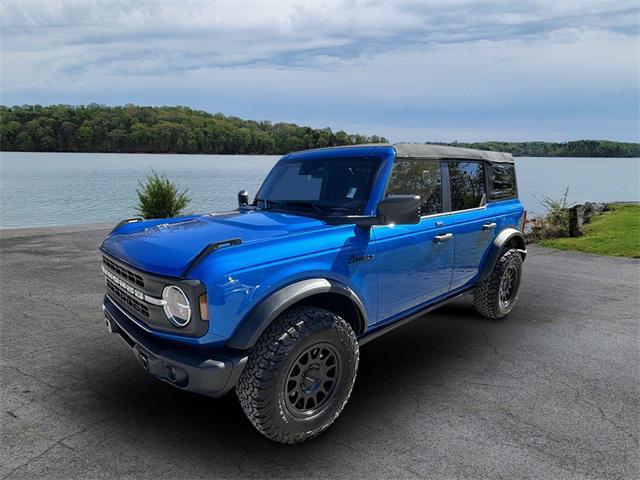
[136, 129]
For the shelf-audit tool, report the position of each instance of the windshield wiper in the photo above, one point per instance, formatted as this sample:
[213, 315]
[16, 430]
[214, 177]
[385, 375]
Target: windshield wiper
[268, 204]
[302, 203]
[317, 208]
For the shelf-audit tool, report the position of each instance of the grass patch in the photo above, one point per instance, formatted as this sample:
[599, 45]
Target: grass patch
[616, 232]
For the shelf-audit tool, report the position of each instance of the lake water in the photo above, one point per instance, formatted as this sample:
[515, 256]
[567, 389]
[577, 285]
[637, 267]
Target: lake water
[40, 189]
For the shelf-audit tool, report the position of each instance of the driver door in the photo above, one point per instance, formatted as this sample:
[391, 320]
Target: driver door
[415, 262]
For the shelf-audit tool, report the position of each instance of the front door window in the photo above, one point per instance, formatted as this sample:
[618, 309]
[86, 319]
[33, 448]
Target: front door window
[418, 177]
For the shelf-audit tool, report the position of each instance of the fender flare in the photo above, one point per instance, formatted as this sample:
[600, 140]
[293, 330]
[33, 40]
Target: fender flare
[257, 321]
[497, 248]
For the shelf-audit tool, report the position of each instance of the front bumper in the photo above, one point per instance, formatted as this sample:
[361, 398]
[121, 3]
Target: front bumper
[183, 367]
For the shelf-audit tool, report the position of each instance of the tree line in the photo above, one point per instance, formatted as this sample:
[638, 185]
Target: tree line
[577, 148]
[136, 129]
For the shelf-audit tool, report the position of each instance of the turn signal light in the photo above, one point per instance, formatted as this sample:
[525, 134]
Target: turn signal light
[204, 307]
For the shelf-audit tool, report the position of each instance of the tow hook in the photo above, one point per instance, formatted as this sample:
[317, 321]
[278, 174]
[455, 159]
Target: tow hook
[111, 326]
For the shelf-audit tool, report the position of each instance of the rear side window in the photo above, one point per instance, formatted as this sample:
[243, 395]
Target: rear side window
[502, 181]
[467, 185]
[418, 177]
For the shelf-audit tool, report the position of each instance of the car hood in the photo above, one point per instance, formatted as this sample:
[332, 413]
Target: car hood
[167, 247]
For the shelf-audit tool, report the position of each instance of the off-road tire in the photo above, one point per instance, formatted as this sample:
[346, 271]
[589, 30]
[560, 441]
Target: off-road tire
[262, 387]
[486, 297]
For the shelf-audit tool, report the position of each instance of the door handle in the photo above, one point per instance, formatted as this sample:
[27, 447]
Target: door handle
[489, 226]
[443, 238]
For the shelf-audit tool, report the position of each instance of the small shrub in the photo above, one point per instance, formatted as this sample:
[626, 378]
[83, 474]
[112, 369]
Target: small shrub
[555, 223]
[160, 198]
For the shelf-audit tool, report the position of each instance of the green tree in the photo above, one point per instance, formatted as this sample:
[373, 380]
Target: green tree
[160, 198]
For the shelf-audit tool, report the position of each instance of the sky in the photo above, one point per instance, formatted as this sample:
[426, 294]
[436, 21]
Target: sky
[429, 70]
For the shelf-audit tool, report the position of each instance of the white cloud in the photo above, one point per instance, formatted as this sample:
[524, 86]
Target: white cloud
[325, 62]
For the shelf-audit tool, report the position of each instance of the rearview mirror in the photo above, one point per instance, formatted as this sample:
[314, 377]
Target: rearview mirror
[400, 209]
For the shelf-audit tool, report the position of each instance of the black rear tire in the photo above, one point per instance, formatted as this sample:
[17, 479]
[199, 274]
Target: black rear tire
[299, 375]
[497, 295]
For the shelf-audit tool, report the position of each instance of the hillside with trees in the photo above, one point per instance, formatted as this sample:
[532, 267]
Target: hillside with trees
[135, 129]
[577, 148]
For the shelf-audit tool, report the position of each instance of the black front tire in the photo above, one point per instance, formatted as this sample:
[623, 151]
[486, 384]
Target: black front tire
[299, 375]
[497, 295]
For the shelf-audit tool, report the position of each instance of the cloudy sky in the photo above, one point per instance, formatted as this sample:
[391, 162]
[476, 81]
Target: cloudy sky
[407, 69]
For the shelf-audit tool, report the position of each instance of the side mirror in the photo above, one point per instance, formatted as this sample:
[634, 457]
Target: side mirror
[400, 209]
[243, 198]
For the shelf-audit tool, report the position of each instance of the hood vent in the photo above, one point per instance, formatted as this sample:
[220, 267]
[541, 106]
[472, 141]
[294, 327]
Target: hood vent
[207, 250]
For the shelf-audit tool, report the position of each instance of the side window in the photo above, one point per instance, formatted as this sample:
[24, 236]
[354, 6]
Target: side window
[418, 177]
[467, 185]
[502, 181]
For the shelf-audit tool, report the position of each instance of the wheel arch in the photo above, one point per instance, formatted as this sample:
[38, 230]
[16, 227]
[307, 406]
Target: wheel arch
[318, 292]
[507, 239]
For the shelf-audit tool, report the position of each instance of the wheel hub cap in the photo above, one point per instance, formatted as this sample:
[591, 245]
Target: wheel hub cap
[311, 379]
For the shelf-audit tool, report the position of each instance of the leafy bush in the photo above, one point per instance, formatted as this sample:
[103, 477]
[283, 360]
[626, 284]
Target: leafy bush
[555, 223]
[160, 198]
[557, 212]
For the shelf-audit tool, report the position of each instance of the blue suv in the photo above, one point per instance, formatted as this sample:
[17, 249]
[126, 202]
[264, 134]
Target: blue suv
[339, 246]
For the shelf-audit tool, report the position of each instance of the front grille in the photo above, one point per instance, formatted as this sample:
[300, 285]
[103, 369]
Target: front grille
[128, 299]
[123, 272]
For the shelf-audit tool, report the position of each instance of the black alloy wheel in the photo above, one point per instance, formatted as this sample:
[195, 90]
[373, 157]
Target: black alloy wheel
[312, 380]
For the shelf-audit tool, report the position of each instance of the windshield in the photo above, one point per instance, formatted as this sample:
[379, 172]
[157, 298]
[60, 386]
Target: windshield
[320, 185]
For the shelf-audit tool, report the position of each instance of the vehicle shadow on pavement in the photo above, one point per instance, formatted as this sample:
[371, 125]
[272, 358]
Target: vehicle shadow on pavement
[393, 370]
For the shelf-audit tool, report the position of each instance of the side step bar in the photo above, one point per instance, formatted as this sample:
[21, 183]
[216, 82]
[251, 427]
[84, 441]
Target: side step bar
[399, 323]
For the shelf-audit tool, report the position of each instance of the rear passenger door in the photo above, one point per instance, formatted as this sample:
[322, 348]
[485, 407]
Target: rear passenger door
[414, 261]
[474, 225]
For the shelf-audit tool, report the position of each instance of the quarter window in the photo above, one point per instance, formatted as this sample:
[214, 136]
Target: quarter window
[418, 177]
[502, 181]
[467, 185]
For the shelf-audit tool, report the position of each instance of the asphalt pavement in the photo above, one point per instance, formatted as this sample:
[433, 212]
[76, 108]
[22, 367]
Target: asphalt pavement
[553, 391]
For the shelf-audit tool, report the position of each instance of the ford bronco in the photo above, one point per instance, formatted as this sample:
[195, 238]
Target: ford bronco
[339, 246]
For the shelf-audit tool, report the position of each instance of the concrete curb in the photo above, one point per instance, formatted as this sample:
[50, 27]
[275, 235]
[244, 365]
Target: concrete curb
[7, 233]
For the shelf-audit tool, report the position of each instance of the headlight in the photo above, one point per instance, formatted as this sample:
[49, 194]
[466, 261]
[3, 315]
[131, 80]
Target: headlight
[176, 308]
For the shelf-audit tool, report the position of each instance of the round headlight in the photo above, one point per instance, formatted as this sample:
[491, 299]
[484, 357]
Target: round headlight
[176, 308]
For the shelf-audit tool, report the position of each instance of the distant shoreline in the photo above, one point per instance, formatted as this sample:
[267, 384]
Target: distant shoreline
[269, 154]
[167, 130]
